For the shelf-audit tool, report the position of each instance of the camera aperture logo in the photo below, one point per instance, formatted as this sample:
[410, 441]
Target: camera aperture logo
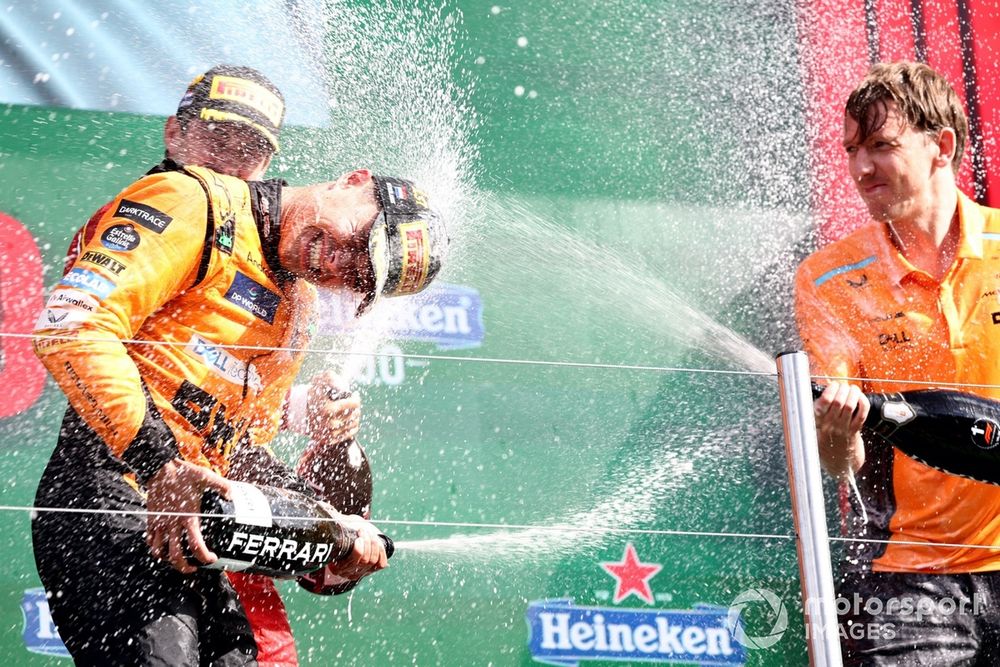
[750, 603]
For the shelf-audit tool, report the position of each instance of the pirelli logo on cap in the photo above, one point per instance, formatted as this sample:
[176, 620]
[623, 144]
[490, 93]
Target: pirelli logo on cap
[249, 93]
[415, 245]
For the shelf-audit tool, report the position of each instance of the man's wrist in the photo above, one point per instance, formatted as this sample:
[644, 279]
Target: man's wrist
[297, 410]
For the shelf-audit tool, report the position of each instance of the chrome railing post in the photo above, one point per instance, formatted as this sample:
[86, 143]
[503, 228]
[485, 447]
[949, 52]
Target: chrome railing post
[812, 538]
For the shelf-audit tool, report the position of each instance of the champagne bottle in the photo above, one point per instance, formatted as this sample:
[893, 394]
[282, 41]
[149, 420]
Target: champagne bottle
[341, 475]
[952, 431]
[272, 531]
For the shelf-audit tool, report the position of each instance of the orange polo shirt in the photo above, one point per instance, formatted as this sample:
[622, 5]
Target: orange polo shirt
[865, 312]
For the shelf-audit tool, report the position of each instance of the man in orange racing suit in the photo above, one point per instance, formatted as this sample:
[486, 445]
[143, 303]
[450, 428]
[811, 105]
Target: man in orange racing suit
[175, 336]
[229, 119]
[910, 299]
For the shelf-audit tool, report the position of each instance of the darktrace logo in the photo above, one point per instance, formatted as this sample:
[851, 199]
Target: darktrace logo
[147, 216]
[253, 297]
[562, 633]
[120, 237]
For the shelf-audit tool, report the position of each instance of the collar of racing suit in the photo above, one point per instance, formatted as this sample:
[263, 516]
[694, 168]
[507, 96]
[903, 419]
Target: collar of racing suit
[265, 204]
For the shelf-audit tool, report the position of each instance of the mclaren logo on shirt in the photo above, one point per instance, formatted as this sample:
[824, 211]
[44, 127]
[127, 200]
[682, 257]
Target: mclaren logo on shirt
[860, 282]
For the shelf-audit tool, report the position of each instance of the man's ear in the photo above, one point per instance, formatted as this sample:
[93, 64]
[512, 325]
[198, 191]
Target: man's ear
[946, 147]
[171, 133]
[358, 177]
[256, 173]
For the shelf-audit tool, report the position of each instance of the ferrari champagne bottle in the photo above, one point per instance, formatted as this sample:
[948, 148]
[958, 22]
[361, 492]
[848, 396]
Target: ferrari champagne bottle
[272, 531]
[949, 430]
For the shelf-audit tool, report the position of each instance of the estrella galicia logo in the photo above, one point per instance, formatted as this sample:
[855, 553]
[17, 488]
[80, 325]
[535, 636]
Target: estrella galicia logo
[39, 633]
[120, 237]
[253, 297]
[985, 433]
[147, 216]
[564, 634]
[88, 281]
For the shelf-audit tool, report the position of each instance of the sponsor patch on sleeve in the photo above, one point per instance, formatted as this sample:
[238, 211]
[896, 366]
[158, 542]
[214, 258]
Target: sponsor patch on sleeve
[89, 282]
[141, 214]
[60, 318]
[102, 260]
[71, 298]
[120, 238]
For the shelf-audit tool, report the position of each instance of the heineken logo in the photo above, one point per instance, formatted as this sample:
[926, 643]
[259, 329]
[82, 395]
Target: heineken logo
[562, 633]
[565, 634]
[450, 316]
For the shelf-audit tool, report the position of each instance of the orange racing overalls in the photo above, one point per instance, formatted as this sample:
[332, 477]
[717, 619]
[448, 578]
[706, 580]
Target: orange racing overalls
[171, 335]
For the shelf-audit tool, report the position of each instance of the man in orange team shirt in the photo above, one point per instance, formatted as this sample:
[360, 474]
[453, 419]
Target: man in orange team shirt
[910, 298]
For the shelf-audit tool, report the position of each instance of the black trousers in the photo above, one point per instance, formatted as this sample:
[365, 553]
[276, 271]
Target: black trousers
[905, 619]
[113, 603]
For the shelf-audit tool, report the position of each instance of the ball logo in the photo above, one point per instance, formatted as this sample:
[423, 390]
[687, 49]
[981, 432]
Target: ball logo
[985, 433]
[757, 598]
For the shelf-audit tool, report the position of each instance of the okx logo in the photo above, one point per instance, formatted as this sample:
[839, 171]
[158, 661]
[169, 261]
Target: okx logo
[563, 633]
